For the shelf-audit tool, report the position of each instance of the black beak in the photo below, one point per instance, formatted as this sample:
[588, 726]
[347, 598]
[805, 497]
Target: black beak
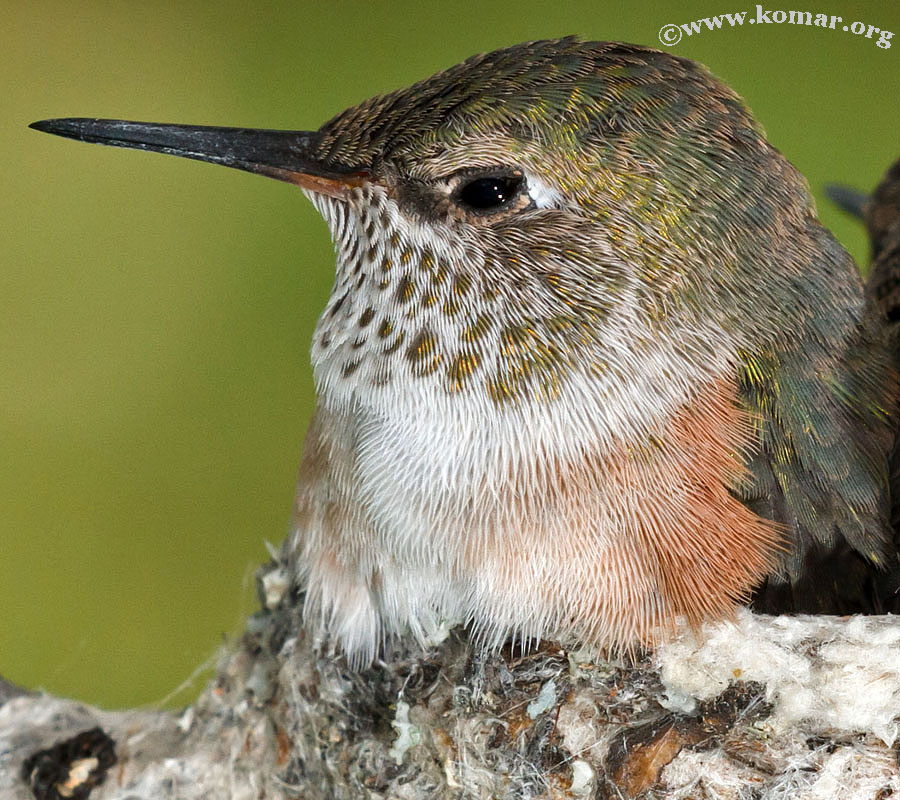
[284, 155]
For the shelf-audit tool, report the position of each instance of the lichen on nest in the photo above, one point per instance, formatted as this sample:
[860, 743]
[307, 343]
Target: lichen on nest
[759, 707]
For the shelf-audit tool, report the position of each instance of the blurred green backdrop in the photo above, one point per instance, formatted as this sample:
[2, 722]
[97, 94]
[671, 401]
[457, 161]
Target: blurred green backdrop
[156, 312]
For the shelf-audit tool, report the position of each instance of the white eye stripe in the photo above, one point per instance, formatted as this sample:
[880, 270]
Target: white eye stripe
[541, 194]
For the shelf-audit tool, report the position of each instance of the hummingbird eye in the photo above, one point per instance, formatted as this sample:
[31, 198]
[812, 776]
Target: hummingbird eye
[487, 193]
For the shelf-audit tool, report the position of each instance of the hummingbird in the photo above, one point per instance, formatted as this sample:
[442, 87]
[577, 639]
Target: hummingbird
[591, 365]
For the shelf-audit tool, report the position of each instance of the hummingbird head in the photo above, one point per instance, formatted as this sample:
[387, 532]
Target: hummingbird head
[529, 221]
[535, 217]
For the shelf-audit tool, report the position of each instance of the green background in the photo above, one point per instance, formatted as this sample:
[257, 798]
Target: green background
[156, 312]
